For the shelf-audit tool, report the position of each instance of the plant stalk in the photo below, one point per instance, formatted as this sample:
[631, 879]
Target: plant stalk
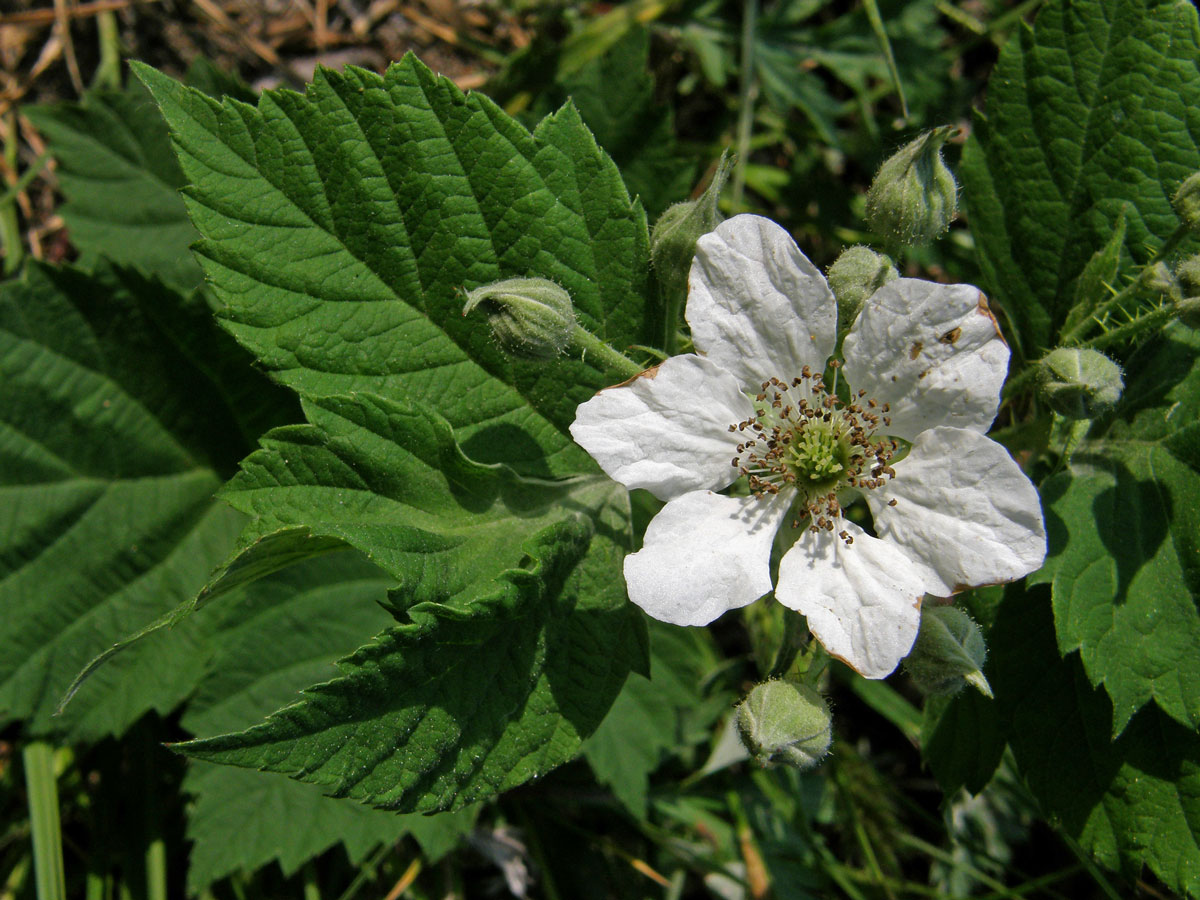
[42, 787]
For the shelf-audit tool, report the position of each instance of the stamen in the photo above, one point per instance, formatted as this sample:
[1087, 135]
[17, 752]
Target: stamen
[803, 438]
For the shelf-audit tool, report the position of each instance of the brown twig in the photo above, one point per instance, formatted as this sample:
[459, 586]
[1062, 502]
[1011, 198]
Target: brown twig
[50, 16]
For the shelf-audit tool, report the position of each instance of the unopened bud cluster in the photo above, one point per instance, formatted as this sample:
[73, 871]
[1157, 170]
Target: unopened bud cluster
[1079, 383]
[914, 197]
[783, 722]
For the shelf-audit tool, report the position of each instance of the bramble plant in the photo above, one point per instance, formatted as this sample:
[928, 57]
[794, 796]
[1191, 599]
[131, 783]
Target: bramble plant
[384, 455]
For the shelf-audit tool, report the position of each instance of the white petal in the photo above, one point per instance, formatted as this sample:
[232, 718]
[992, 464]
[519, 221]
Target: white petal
[862, 601]
[667, 430]
[756, 305]
[704, 553]
[931, 351]
[963, 509]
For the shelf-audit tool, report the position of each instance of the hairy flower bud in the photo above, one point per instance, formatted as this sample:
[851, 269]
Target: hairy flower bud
[1186, 202]
[785, 722]
[854, 276]
[673, 240]
[1079, 383]
[949, 653]
[914, 198]
[529, 317]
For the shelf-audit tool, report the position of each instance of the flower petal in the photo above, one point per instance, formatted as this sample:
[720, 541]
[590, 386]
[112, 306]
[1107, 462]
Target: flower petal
[666, 430]
[703, 554]
[931, 351]
[964, 511]
[757, 307]
[862, 601]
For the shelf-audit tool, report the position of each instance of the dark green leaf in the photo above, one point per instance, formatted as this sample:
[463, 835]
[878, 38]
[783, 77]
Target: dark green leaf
[122, 182]
[114, 436]
[1134, 801]
[1093, 113]
[1124, 534]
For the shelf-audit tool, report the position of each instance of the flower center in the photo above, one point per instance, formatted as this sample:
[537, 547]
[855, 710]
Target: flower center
[804, 437]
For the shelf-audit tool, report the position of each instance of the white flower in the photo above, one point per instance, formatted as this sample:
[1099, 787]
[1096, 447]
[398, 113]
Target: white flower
[925, 363]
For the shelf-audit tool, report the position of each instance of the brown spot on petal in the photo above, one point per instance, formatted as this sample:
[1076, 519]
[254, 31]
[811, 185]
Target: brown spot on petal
[651, 372]
[915, 350]
[984, 310]
[951, 336]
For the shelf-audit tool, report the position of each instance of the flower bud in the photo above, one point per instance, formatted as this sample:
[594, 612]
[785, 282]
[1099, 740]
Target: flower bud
[1186, 202]
[854, 276]
[786, 722]
[673, 240]
[1158, 280]
[529, 317]
[1079, 383]
[948, 654]
[1188, 311]
[914, 198]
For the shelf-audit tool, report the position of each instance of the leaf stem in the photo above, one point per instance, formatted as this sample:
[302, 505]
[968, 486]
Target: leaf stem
[42, 787]
[1075, 335]
[1155, 318]
[585, 343]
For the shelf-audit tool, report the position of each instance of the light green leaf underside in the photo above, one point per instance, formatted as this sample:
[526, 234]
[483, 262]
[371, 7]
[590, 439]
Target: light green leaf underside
[1124, 527]
[280, 635]
[1092, 113]
[341, 226]
[107, 517]
[122, 182]
[469, 699]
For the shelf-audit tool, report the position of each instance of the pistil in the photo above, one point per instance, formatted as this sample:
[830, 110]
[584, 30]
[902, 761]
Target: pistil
[805, 438]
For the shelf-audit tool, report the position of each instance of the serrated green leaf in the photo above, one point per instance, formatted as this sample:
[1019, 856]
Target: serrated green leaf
[1124, 542]
[113, 440]
[469, 699]
[389, 479]
[1092, 113]
[280, 635]
[341, 226]
[122, 182]
[1131, 802]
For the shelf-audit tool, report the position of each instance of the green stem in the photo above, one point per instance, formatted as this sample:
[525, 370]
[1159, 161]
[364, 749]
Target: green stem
[312, 890]
[10, 226]
[881, 36]
[108, 72]
[746, 96]
[1076, 334]
[1150, 321]
[585, 343]
[42, 787]
[156, 869]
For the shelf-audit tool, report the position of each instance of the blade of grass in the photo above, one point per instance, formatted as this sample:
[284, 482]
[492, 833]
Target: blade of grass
[885, 45]
[42, 787]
